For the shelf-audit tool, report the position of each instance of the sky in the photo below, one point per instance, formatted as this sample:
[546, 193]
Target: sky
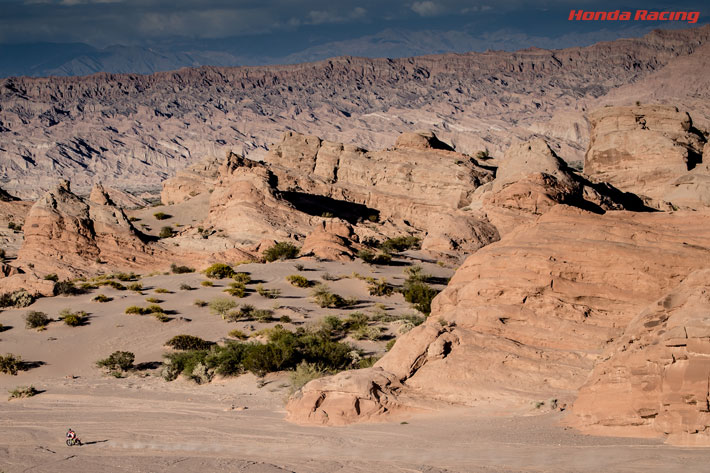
[271, 30]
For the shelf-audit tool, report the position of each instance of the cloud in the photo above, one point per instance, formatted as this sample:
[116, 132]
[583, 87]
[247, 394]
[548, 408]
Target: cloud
[427, 8]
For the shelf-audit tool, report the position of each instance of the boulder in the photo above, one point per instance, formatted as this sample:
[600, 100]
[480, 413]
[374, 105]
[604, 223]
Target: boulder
[332, 240]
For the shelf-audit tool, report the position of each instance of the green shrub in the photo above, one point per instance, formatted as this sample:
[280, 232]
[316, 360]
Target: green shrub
[324, 298]
[395, 245]
[153, 300]
[126, 277]
[285, 319]
[162, 290]
[420, 294]
[299, 267]
[181, 269]
[52, 277]
[236, 289]
[186, 287]
[10, 364]
[281, 251]
[118, 361]
[356, 321]
[370, 257]
[19, 298]
[134, 310]
[188, 342]
[303, 374]
[200, 303]
[238, 334]
[161, 216]
[23, 392]
[207, 283]
[73, 319]
[135, 287]
[367, 333]
[116, 285]
[380, 288]
[298, 281]
[219, 271]
[221, 306]
[390, 344]
[182, 362]
[416, 274]
[102, 298]
[36, 319]
[242, 278]
[66, 288]
[262, 315]
[154, 309]
[166, 232]
[267, 293]
[330, 277]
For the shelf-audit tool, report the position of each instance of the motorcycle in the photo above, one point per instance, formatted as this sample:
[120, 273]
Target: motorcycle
[72, 442]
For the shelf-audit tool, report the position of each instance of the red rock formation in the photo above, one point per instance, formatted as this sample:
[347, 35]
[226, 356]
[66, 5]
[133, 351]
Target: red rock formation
[654, 379]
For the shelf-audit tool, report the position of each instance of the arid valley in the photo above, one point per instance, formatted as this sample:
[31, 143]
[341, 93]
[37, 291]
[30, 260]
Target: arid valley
[480, 262]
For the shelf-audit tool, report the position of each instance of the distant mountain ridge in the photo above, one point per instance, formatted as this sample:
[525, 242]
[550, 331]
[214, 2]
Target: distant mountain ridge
[132, 131]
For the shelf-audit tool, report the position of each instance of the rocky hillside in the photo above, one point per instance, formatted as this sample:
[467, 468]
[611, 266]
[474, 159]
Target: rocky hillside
[132, 131]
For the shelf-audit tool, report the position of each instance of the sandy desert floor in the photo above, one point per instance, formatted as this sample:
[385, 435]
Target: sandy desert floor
[142, 423]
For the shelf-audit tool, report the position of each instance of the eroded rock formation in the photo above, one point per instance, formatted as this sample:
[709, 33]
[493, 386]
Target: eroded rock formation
[650, 150]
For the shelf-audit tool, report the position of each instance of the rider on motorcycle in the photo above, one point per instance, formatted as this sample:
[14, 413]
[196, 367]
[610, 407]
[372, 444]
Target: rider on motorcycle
[71, 434]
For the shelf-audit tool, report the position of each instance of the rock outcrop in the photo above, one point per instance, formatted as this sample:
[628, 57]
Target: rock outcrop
[650, 150]
[247, 206]
[526, 318]
[654, 379]
[191, 181]
[67, 235]
[332, 240]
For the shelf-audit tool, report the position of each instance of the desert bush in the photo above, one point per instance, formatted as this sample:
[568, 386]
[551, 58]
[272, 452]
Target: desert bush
[126, 276]
[14, 226]
[52, 277]
[134, 310]
[102, 298]
[200, 303]
[395, 245]
[10, 364]
[207, 284]
[242, 278]
[324, 298]
[332, 325]
[330, 277]
[73, 319]
[23, 392]
[299, 267]
[155, 309]
[390, 344]
[367, 333]
[298, 281]
[118, 361]
[262, 315]
[356, 321]
[161, 216]
[181, 269]
[219, 271]
[20, 298]
[66, 288]
[162, 290]
[135, 287]
[36, 319]
[166, 232]
[186, 287]
[380, 288]
[236, 289]
[161, 316]
[188, 342]
[238, 334]
[221, 306]
[153, 300]
[281, 251]
[303, 374]
[285, 319]
[420, 294]
[113, 284]
[283, 350]
[370, 257]
[267, 293]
